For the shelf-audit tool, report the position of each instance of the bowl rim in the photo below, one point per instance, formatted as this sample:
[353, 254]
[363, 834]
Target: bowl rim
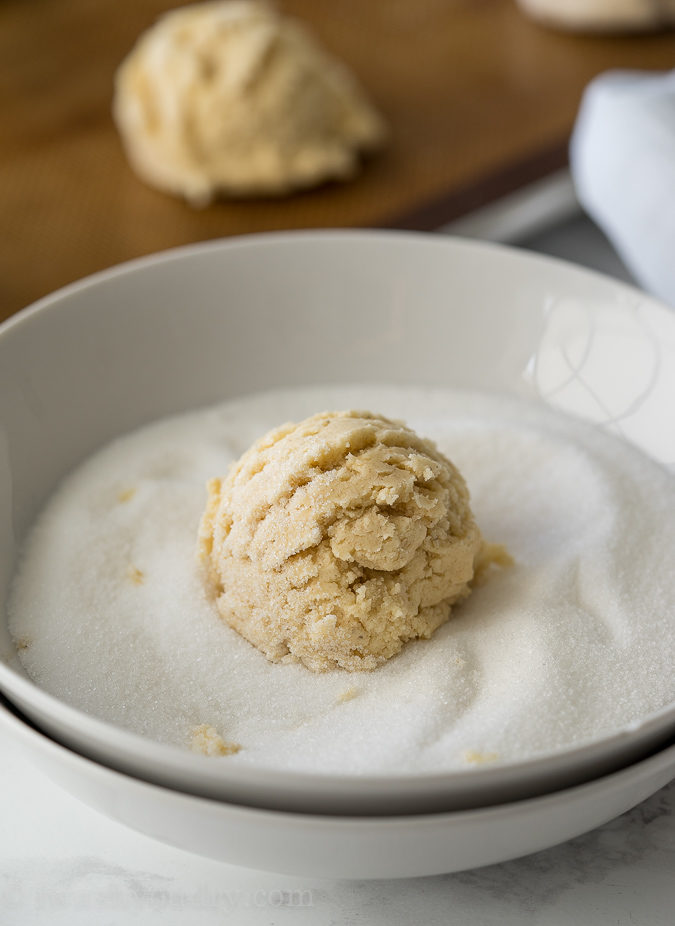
[326, 236]
[662, 758]
[163, 755]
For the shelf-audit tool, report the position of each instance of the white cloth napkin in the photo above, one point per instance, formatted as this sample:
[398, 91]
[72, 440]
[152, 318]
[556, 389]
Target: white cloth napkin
[622, 158]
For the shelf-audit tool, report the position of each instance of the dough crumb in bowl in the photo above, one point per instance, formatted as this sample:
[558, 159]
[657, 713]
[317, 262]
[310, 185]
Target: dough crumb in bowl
[478, 757]
[348, 695]
[233, 98]
[335, 541]
[206, 740]
[490, 554]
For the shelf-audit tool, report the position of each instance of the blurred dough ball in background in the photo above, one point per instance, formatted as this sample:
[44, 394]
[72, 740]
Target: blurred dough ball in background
[231, 97]
[603, 15]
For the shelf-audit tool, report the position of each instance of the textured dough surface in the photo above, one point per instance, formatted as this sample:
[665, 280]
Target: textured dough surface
[231, 97]
[336, 540]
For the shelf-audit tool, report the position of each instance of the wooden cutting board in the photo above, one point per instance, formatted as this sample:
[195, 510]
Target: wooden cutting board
[479, 99]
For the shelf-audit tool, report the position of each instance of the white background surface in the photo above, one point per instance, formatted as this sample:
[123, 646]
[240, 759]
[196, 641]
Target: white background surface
[62, 863]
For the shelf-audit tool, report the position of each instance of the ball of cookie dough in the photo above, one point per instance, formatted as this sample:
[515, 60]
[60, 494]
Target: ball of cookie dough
[232, 97]
[336, 540]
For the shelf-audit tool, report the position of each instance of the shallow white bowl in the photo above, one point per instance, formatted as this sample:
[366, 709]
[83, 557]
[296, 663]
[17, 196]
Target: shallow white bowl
[342, 847]
[200, 324]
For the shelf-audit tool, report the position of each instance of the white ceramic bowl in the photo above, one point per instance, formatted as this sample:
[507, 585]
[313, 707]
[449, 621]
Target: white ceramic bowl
[342, 847]
[200, 324]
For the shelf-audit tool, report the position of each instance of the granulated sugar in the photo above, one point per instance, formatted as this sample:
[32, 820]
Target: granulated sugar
[576, 640]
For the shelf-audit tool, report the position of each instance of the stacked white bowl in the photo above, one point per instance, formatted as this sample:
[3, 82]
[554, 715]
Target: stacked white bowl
[202, 324]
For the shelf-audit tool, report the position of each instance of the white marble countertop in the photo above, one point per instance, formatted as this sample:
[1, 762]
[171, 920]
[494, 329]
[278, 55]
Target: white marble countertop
[62, 863]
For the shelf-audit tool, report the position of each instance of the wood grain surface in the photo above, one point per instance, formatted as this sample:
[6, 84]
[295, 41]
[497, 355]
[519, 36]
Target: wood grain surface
[479, 100]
